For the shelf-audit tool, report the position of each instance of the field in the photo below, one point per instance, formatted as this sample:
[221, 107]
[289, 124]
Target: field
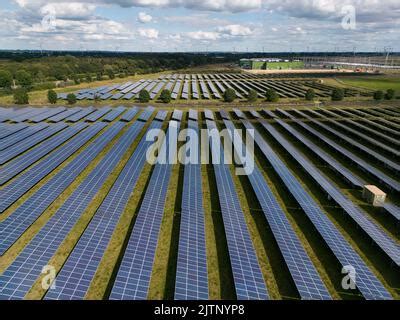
[373, 83]
[78, 197]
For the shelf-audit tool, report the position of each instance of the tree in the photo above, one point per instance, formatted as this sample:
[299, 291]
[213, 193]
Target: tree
[337, 94]
[71, 98]
[165, 96]
[144, 96]
[5, 79]
[310, 95]
[88, 78]
[24, 78]
[229, 95]
[21, 96]
[252, 96]
[271, 95]
[52, 96]
[390, 93]
[99, 77]
[379, 95]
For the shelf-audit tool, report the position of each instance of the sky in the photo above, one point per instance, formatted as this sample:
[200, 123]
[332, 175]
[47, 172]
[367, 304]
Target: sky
[201, 25]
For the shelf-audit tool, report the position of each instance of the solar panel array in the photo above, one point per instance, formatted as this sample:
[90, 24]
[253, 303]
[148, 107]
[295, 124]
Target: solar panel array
[377, 234]
[74, 278]
[305, 276]
[248, 278]
[17, 279]
[21, 135]
[134, 273]
[15, 225]
[368, 284]
[191, 273]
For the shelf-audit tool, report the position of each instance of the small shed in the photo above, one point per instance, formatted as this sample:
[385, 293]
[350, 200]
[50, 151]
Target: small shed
[374, 195]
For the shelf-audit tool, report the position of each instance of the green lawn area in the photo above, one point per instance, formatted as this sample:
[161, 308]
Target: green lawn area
[374, 83]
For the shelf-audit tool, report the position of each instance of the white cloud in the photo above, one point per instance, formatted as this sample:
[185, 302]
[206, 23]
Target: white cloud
[235, 30]
[148, 33]
[144, 17]
[203, 35]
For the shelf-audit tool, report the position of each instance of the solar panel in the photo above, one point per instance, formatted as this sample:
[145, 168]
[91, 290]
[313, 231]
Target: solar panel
[130, 114]
[332, 162]
[382, 177]
[19, 164]
[10, 129]
[74, 278]
[22, 146]
[255, 114]
[364, 137]
[16, 280]
[146, 114]
[208, 114]
[177, 115]
[305, 276]
[63, 115]
[45, 115]
[98, 114]
[21, 135]
[191, 273]
[133, 278]
[376, 233]
[193, 115]
[368, 284]
[247, 275]
[16, 224]
[224, 115]
[28, 115]
[161, 115]
[114, 114]
[239, 113]
[80, 115]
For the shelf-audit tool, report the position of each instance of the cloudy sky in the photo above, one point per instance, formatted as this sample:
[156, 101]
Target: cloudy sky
[200, 25]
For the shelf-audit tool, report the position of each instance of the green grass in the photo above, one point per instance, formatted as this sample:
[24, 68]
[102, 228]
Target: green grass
[373, 83]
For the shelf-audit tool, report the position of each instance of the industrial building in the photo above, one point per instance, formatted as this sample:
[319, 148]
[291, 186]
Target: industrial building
[270, 64]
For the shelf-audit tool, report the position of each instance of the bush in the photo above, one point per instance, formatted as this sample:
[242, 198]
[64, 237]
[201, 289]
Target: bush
[310, 95]
[165, 96]
[5, 79]
[337, 94]
[144, 96]
[229, 95]
[252, 96]
[99, 77]
[379, 95]
[21, 96]
[390, 93]
[88, 78]
[271, 95]
[110, 74]
[52, 96]
[71, 98]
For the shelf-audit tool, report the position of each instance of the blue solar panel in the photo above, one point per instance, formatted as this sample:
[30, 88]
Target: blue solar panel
[21, 184]
[98, 114]
[193, 115]
[368, 284]
[45, 115]
[191, 273]
[21, 135]
[387, 244]
[24, 161]
[177, 115]
[16, 224]
[382, 177]
[22, 146]
[18, 278]
[28, 115]
[9, 129]
[247, 275]
[332, 162]
[80, 115]
[302, 270]
[114, 114]
[74, 279]
[146, 114]
[133, 278]
[63, 115]
[130, 114]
